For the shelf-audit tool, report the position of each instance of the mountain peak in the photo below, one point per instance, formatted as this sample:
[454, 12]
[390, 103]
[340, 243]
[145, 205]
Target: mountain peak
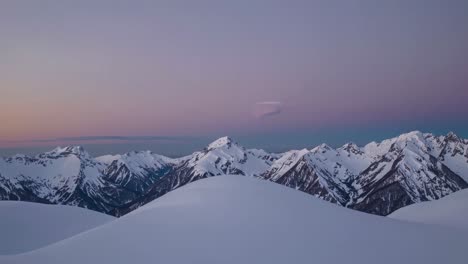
[76, 150]
[451, 136]
[322, 148]
[350, 145]
[351, 148]
[140, 152]
[220, 142]
[414, 138]
[410, 135]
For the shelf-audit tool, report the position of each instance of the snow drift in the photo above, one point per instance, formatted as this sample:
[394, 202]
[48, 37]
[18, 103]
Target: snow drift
[26, 226]
[452, 211]
[235, 219]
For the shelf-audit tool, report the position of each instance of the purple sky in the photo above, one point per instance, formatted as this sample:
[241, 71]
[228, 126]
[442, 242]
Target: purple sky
[212, 68]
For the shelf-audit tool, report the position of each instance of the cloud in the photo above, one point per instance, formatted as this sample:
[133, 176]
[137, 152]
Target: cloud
[266, 109]
[110, 138]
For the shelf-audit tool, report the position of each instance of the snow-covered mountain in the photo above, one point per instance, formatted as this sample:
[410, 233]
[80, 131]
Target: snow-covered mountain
[234, 219]
[136, 171]
[413, 169]
[63, 176]
[225, 156]
[71, 176]
[378, 178]
[323, 171]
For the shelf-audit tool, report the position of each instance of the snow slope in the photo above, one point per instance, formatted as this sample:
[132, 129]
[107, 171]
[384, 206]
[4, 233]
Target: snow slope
[452, 210]
[235, 219]
[27, 226]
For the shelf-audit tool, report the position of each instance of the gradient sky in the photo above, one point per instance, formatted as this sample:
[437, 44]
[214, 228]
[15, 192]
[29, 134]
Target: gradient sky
[273, 74]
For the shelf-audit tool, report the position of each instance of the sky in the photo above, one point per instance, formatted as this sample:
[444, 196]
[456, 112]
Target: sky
[171, 76]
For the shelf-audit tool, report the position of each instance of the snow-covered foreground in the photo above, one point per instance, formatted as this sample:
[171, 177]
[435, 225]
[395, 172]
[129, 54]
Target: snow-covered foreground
[235, 219]
[452, 210]
[26, 226]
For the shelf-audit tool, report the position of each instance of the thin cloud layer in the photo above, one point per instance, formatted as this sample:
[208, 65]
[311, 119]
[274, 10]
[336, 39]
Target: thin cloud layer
[266, 109]
[112, 138]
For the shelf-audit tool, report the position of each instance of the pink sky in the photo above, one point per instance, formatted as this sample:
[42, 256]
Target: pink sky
[173, 69]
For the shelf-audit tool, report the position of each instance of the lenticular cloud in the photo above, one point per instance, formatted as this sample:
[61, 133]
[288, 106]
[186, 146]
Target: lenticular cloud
[265, 109]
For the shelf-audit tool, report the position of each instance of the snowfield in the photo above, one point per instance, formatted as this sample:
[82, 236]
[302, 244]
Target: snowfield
[236, 219]
[452, 211]
[27, 226]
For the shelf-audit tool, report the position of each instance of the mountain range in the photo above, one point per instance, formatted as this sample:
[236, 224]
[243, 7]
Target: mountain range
[377, 178]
